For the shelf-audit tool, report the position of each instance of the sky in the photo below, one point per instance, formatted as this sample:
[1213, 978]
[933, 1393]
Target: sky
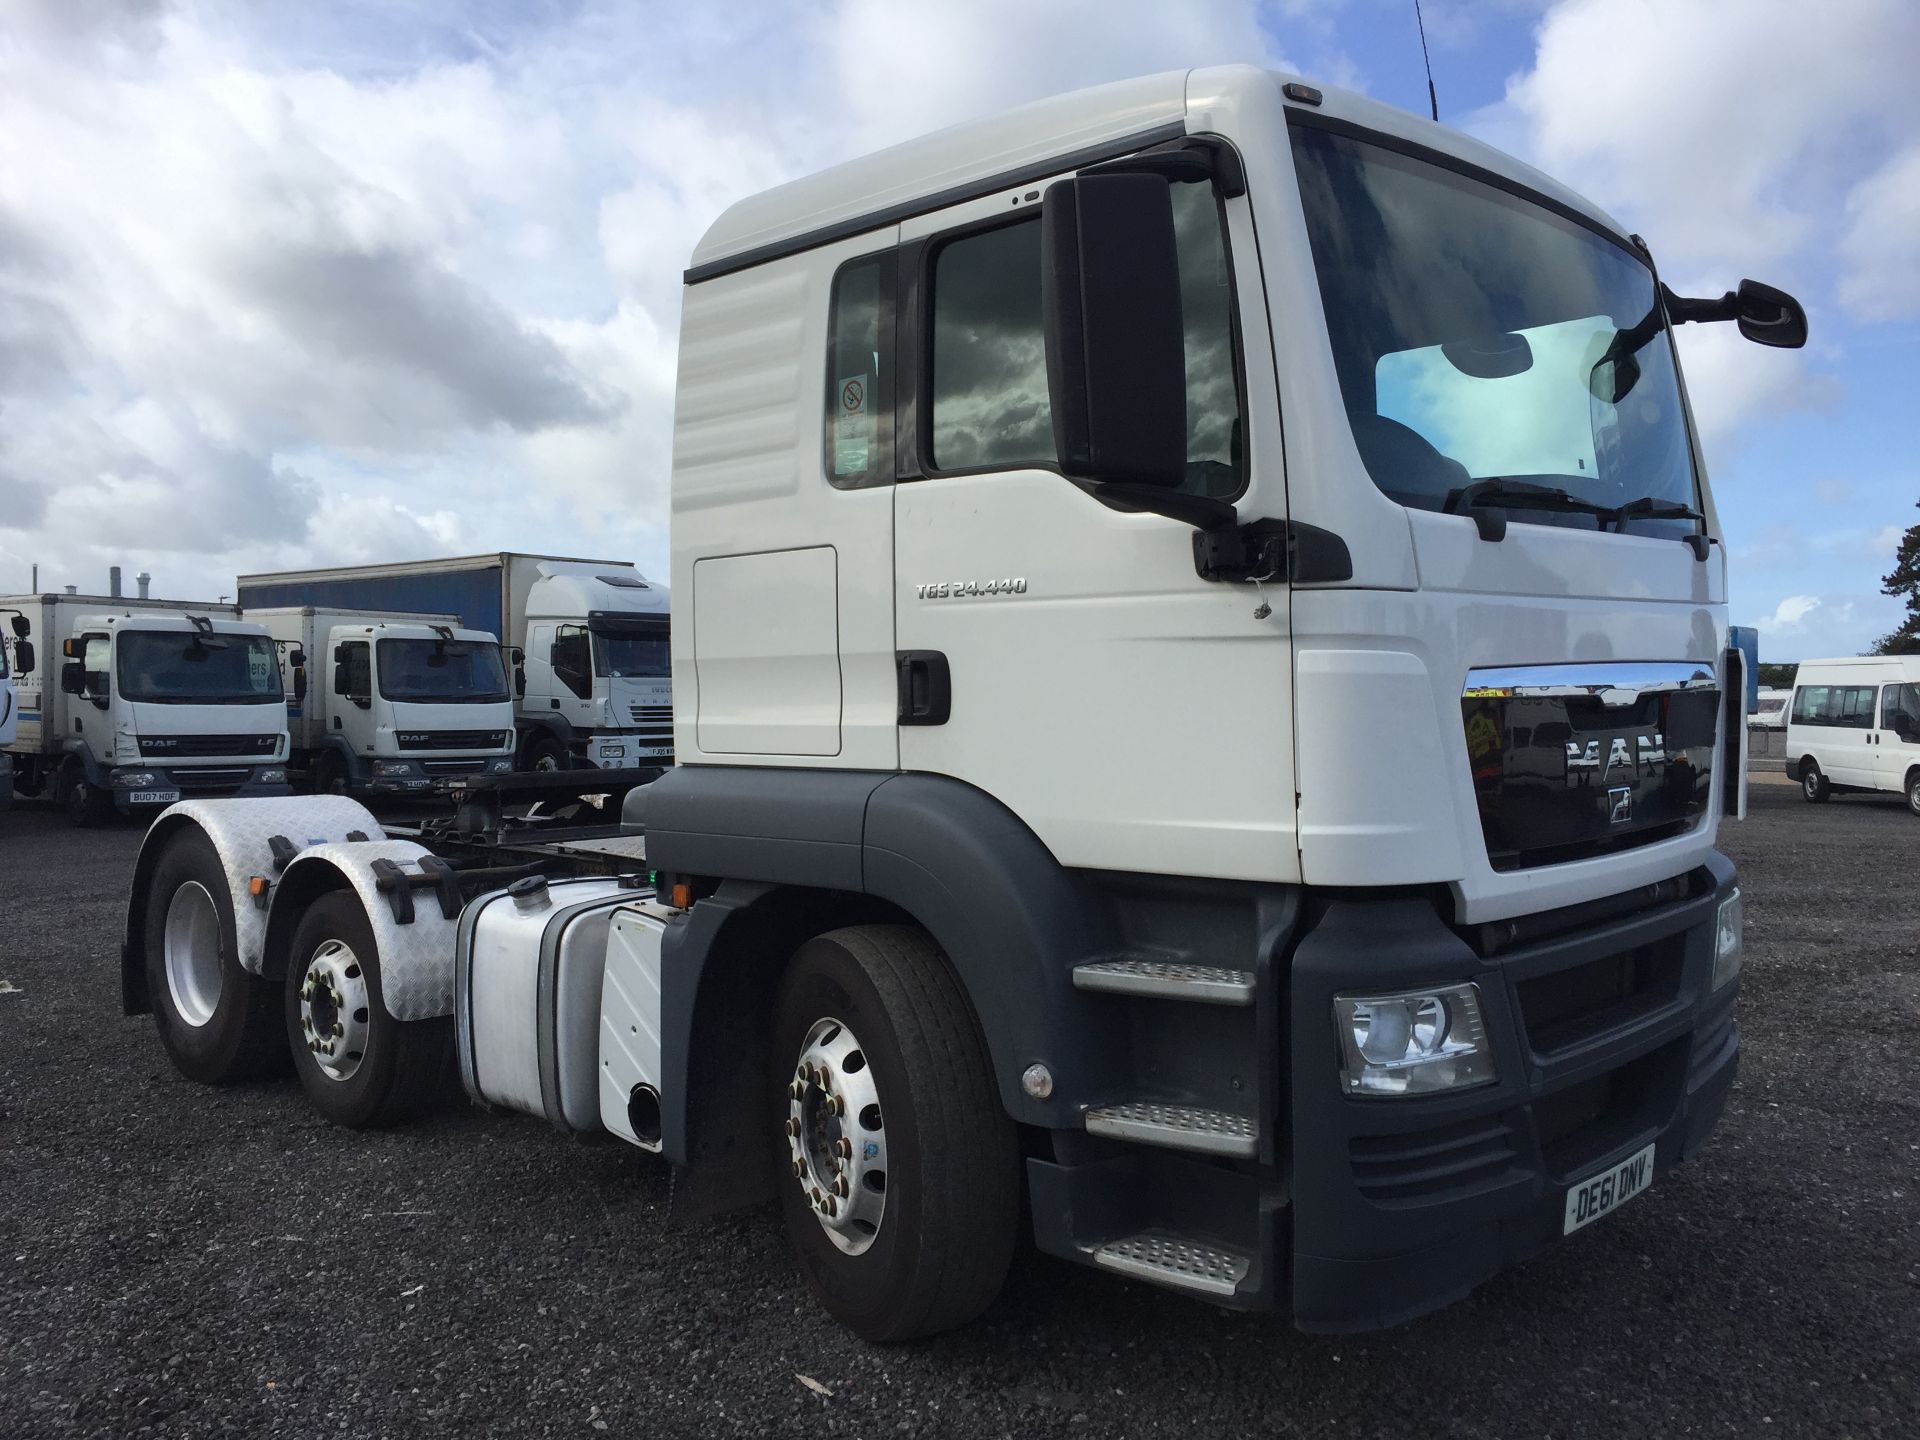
[287, 284]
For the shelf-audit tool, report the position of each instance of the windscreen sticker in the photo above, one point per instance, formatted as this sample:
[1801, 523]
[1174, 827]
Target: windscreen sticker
[852, 426]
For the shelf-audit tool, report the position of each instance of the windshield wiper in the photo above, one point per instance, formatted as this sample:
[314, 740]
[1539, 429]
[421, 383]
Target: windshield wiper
[1651, 507]
[1506, 494]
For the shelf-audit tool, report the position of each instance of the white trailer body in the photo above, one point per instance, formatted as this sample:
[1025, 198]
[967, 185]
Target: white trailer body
[391, 704]
[138, 703]
[589, 639]
[1287, 854]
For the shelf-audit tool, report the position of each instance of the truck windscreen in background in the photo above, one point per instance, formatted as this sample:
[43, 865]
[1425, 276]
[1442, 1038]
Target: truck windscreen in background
[1478, 336]
[637, 649]
[174, 667]
[444, 672]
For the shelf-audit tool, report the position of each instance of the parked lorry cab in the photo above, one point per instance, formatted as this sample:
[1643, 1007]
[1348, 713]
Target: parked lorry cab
[1288, 852]
[143, 703]
[588, 640]
[1854, 727]
[386, 704]
[10, 641]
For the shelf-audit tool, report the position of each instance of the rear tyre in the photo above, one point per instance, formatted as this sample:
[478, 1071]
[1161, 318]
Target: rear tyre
[88, 805]
[1813, 785]
[545, 753]
[900, 1170]
[330, 774]
[217, 1022]
[360, 1066]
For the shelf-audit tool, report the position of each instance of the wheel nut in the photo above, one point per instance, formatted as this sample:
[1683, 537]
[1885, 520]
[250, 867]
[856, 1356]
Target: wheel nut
[793, 1126]
[840, 1186]
[824, 1078]
[799, 1169]
[845, 1148]
[797, 1090]
[338, 1028]
[832, 1207]
[836, 1105]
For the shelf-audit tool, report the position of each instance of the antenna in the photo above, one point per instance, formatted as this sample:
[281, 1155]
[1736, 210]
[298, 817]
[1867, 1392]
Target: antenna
[1433, 100]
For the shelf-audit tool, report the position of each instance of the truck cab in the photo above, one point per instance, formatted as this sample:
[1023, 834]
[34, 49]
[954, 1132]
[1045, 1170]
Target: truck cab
[395, 705]
[9, 706]
[596, 668]
[154, 707]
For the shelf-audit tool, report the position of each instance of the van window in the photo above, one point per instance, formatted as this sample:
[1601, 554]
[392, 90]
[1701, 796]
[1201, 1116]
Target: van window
[859, 408]
[1849, 706]
[1900, 709]
[989, 385]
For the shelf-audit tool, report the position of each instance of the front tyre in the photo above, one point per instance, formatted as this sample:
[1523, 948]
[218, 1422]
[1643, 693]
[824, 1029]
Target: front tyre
[216, 1021]
[901, 1170]
[361, 1067]
[88, 805]
[1913, 792]
[1813, 785]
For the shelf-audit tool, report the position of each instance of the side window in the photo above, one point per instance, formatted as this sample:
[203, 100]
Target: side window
[990, 407]
[1900, 710]
[353, 676]
[1857, 712]
[97, 661]
[1812, 705]
[859, 407]
[573, 659]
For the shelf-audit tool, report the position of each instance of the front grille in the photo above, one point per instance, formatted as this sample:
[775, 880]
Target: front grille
[1429, 1164]
[1707, 1047]
[217, 778]
[1578, 1123]
[654, 717]
[452, 739]
[1564, 1007]
[453, 767]
[174, 747]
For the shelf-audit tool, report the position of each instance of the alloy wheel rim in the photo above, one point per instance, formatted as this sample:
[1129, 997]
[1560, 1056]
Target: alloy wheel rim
[836, 1140]
[336, 1010]
[191, 949]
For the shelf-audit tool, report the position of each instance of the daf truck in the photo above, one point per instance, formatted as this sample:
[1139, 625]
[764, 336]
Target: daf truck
[1203, 711]
[381, 704]
[153, 701]
[588, 641]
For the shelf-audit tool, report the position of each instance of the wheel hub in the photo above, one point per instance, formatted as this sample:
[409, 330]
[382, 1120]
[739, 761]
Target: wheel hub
[335, 1009]
[192, 952]
[835, 1141]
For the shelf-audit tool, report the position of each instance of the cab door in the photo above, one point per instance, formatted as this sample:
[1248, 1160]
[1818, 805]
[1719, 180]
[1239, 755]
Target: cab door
[1897, 750]
[352, 719]
[1057, 652]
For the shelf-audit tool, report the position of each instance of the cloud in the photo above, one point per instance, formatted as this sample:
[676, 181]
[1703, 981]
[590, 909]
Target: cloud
[1881, 246]
[1790, 615]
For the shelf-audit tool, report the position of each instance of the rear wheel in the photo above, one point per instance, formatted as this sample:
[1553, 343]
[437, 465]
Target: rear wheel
[88, 805]
[1813, 785]
[217, 1022]
[360, 1066]
[545, 753]
[901, 1185]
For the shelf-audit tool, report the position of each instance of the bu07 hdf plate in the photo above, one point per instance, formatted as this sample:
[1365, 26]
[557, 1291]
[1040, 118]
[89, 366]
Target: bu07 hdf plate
[1601, 1194]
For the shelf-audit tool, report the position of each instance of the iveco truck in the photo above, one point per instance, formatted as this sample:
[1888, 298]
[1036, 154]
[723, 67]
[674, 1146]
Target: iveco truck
[588, 640]
[135, 704]
[1202, 702]
[385, 704]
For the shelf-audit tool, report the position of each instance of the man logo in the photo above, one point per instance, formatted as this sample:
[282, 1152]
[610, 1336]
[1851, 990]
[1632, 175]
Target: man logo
[1620, 804]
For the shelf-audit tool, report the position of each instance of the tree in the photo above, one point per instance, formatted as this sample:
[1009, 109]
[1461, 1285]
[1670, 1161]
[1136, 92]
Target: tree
[1777, 677]
[1904, 580]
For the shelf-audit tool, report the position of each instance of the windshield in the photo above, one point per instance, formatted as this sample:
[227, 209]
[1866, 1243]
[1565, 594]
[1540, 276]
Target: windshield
[1481, 336]
[632, 649]
[447, 672]
[173, 667]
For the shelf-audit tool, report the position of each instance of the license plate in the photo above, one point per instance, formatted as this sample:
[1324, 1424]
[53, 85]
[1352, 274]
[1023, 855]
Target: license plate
[656, 750]
[1607, 1191]
[152, 797]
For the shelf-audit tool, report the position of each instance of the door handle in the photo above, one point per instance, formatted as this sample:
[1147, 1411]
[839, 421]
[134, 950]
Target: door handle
[926, 687]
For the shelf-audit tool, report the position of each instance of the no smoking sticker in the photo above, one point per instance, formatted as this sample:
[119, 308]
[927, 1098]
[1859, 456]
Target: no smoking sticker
[853, 396]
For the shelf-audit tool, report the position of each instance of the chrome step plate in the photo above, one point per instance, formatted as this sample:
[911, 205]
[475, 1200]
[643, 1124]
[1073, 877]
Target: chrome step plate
[1166, 980]
[1166, 1259]
[1176, 1127]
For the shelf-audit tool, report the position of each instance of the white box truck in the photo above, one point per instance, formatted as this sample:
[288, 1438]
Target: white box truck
[589, 641]
[11, 654]
[139, 703]
[385, 704]
[1288, 854]
[1854, 727]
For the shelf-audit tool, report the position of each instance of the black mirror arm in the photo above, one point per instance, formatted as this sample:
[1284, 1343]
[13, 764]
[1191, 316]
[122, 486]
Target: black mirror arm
[1200, 511]
[1682, 310]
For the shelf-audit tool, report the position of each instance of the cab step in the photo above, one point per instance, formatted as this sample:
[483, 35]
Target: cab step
[1166, 980]
[1163, 1258]
[1176, 1127]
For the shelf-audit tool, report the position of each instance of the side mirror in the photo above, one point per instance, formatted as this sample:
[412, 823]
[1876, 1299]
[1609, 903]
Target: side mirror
[300, 681]
[341, 680]
[23, 656]
[297, 657]
[1770, 317]
[22, 627]
[1116, 357]
[340, 655]
[518, 658]
[73, 678]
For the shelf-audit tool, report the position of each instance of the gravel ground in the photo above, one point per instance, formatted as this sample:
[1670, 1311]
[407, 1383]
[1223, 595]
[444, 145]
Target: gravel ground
[183, 1261]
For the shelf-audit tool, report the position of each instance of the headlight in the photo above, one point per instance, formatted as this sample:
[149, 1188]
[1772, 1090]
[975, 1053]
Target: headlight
[393, 769]
[1415, 1043]
[273, 775]
[503, 765]
[135, 779]
[1729, 939]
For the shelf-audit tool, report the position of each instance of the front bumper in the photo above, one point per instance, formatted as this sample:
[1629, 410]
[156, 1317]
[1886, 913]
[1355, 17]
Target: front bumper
[1608, 1038]
[428, 776]
[139, 787]
[622, 752]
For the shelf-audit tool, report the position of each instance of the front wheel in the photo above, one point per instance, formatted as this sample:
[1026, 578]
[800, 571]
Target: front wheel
[545, 754]
[360, 1066]
[901, 1191]
[1813, 785]
[1913, 792]
[89, 806]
